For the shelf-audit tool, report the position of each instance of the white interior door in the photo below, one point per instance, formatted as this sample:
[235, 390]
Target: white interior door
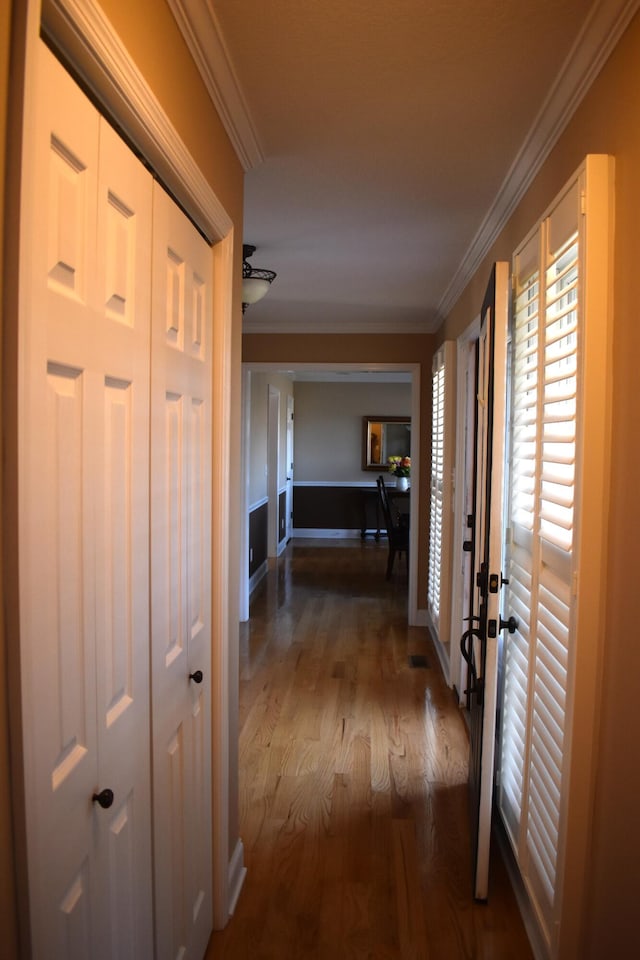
[289, 467]
[181, 581]
[480, 642]
[273, 470]
[84, 472]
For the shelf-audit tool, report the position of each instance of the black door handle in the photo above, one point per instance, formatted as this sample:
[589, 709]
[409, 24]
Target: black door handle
[104, 798]
[196, 676]
[477, 683]
[511, 624]
[465, 649]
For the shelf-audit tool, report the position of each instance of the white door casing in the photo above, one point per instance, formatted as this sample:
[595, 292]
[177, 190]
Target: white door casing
[181, 580]
[289, 468]
[83, 524]
[273, 469]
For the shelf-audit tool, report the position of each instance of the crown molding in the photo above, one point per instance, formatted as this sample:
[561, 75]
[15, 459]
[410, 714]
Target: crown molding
[201, 31]
[336, 326]
[81, 32]
[600, 33]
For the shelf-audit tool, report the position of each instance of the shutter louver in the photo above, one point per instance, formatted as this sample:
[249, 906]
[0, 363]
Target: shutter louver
[559, 432]
[524, 427]
[437, 488]
[544, 348]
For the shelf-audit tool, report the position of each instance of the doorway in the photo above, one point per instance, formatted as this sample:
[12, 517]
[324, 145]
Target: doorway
[415, 616]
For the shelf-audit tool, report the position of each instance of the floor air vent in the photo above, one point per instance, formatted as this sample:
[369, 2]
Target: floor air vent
[418, 660]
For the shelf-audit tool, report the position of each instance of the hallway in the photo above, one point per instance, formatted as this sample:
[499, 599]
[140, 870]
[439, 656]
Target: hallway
[353, 765]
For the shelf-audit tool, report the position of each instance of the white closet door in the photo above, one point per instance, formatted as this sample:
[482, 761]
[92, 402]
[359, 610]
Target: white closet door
[121, 468]
[83, 396]
[181, 581]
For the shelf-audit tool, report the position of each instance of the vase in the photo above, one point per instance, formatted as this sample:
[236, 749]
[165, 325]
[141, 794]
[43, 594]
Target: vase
[402, 483]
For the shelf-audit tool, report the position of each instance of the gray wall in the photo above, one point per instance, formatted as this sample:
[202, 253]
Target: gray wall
[328, 426]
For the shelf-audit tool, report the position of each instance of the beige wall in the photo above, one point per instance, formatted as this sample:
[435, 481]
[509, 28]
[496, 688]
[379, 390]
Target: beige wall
[149, 32]
[8, 924]
[292, 349]
[608, 121]
[328, 434]
[161, 55]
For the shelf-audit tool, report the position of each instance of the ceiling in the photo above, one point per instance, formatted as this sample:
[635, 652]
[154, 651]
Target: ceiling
[385, 141]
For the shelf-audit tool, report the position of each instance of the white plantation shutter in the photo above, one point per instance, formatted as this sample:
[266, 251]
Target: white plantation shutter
[555, 560]
[524, 440]
[546, 340]
[437, 487]
[442, 443]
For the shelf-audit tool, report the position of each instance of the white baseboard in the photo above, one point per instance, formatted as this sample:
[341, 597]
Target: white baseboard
[442, 657]
[260, 573]
[420, 618]
[318, 533]
[237, 873]
[527, 912]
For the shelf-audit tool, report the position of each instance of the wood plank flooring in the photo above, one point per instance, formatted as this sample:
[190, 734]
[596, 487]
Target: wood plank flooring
[353, 778]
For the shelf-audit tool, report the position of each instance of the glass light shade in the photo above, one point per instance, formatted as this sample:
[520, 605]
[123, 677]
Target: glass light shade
[254, 289]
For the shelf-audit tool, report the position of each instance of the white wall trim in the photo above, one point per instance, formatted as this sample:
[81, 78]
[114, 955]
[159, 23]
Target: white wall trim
[259, 575]
[600, 33]
[245, 445]
[81, 30]
[258, 503]
[443, 660]
[529, 919]
[421, 618]
[237, 874]
[223, 625]
[324, 533]
[363, 484]
[202, 34]
[331, 326]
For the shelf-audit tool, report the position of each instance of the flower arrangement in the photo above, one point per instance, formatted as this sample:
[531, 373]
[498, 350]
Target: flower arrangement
[400, 466]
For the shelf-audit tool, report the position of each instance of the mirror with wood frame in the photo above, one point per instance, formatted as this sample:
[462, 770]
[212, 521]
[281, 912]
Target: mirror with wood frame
[384, 437]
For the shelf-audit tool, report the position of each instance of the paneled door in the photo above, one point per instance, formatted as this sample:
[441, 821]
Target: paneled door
[479, 643]
[181, 581]
[83, 524]
[289, 468]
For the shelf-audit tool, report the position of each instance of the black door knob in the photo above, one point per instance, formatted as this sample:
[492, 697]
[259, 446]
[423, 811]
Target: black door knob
[511, 624]
[104, 798]
[196, 676]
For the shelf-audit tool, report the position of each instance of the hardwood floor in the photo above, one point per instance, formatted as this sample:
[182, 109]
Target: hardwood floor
[353, 768]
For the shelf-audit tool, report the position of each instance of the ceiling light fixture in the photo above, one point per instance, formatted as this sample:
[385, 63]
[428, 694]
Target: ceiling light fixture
[255, 282]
